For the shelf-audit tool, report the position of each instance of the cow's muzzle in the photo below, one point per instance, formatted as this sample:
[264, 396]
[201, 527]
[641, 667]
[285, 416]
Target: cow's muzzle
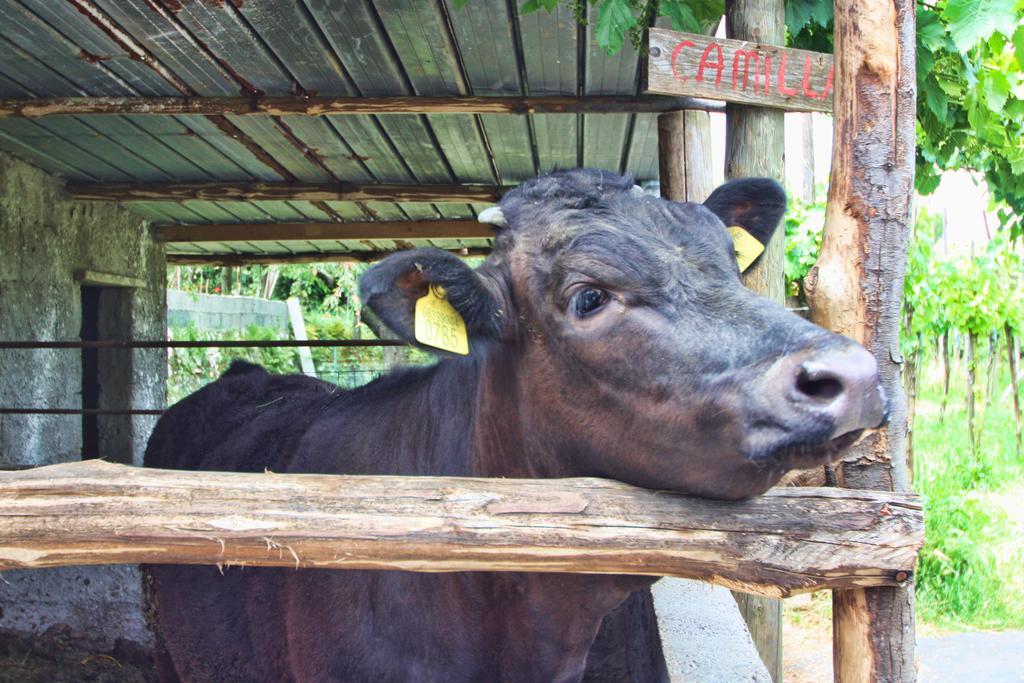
[837, 385]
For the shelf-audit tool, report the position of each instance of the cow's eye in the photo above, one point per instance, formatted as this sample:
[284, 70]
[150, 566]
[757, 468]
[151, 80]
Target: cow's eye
[587, 300]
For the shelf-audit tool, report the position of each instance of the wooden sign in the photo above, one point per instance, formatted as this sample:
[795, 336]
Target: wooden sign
[738, 71]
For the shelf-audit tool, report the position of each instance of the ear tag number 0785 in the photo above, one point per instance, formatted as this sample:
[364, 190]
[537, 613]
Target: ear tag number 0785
[438, 324]
[748, 248]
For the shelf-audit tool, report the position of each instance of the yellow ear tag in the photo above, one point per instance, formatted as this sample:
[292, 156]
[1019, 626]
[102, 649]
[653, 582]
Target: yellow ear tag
[747, 247]
[438, 324]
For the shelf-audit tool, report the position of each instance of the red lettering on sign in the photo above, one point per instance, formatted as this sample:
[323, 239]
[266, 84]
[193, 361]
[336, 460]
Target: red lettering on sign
[675, 55]
[783, 90]
[717, 65]
[807, 80]
[747, 55]
[827, 90]
[767, 75]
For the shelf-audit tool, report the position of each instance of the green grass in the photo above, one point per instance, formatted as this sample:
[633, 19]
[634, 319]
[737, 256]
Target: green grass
[971, 572]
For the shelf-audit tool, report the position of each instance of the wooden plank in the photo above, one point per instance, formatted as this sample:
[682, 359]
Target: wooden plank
[35, 37]
[322, 106]
[787, 541]
[738, 71]
[642, 160]
[262, 231]
[367, 256]
[90, 37]
[214, 191]
[95, 277]
[142, 33]
[556, 138]
[867, 221]
[123, 31]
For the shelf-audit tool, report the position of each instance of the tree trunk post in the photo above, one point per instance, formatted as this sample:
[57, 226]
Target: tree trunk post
[857, 286]
[1011, 352]
[755, 146]
[972, 381]
[990, 368]
[945, 375]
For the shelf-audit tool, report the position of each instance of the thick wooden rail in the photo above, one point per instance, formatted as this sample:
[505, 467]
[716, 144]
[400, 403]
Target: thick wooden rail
[247, 259]
[320, 106]
[372, 230]
[788, 541]
[313, 192]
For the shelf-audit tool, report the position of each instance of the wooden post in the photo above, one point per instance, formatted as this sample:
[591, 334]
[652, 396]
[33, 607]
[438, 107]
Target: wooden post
[857, 285]
[755, 146]
[1011, 352]
[299, 332]
[684, 155]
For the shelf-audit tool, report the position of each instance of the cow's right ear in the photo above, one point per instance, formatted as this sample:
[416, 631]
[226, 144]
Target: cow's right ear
[392, 287]
[751, 209]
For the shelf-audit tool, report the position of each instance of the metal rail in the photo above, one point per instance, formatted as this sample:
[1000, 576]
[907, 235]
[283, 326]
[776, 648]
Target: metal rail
[79, 411]
[182, 344]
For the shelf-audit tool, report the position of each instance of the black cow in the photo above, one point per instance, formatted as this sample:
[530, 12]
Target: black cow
[610, 336]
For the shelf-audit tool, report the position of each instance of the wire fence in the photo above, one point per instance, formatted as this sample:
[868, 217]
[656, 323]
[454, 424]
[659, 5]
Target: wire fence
[344, 374]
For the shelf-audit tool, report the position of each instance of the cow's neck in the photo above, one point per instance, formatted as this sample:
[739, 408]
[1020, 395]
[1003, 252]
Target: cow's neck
[565, 610]
[471, 417]
[464, 417]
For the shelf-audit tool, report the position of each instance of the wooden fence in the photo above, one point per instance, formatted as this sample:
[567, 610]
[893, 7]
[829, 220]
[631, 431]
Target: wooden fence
[788, 541]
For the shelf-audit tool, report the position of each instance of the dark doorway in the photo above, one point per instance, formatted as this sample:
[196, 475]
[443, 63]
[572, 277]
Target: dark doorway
[106, 373]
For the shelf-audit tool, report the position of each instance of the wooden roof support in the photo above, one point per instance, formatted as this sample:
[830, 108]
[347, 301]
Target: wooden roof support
[330, 192]
[302, 257]
[319, 106]
[755, 147]
[274, 232]
[787, 541]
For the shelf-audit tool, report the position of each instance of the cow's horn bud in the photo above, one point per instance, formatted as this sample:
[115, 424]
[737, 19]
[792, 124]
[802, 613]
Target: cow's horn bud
[494, 216]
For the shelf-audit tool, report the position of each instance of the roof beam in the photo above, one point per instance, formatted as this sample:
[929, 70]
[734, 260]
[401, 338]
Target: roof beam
[274, 232]
[331, 192]
[302, 257]
[319, 106]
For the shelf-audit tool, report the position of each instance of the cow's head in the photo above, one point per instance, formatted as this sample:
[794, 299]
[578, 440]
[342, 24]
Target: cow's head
[642, 355]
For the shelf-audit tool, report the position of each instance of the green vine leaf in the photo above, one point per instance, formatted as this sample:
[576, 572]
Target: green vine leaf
[997, 90]
[614, 19]
[935, 98]
[802, 14]
[971, 21]
[1018, 46]
[683, 18]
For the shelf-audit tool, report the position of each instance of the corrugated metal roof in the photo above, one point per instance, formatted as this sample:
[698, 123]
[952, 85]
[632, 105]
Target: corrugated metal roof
[315, 47]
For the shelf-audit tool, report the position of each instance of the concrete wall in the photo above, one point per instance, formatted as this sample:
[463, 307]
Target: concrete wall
[44, 240]
[215, 312]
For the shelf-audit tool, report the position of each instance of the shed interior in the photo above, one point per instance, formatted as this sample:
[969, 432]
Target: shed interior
[407, 163]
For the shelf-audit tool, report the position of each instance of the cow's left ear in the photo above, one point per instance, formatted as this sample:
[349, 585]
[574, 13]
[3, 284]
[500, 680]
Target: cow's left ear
[431, 279]
[751, 209]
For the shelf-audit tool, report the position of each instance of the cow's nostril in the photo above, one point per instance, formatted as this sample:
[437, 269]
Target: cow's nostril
[817, 384]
